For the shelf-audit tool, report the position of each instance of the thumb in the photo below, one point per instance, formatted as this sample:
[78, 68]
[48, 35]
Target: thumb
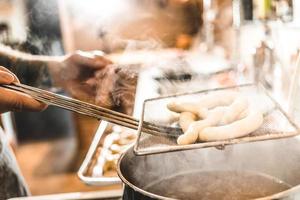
[90, 60]
[6, 78]
[15, 101]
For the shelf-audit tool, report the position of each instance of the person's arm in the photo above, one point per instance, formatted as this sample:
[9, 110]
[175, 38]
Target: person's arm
[34, 68]
[71, 71]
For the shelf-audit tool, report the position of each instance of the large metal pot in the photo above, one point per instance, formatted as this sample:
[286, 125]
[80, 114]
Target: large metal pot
[263, 167]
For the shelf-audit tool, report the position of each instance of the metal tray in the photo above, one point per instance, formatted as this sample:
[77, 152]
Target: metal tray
[90, 157]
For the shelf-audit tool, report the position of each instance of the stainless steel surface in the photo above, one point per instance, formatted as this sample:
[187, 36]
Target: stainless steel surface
[99, 181]
[93, 110]
[277, 124]
[277, 159]
[294, 88]
[106, 195]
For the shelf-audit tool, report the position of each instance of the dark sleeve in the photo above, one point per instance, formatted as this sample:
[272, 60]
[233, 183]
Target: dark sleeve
[34, 73]
[11, 182]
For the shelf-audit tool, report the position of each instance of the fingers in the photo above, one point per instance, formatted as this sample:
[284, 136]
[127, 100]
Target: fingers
[7, 77]
[98, 53]
[106, 83]
[13, 100]
[94, 60]
[81, 90]
[116, 87]
[16, 101]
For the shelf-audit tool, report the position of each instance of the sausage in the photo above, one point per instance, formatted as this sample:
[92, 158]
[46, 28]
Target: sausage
[206, 102]
[216, 99]
[233, 111]
[191, 135]
[236, 129]
[243, 114]
[192, 107]
[185, 119]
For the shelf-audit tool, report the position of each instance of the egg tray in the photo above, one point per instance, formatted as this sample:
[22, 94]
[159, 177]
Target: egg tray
[92, 169]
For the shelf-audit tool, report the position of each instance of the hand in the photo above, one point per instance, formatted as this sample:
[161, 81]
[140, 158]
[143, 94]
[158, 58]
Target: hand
[74, 71]
[15, 101]
[115, 87]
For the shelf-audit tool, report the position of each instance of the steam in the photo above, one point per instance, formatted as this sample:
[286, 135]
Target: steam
[150, 44]
[275, 160]
[111, 22]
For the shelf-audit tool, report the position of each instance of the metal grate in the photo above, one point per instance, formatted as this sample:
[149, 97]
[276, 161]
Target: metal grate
[277, 124]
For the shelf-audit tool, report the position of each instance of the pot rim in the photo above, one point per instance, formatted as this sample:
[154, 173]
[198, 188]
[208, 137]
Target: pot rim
[278, 195]
[135, 188]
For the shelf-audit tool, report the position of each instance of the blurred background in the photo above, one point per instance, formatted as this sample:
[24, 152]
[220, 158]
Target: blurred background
[233, 41]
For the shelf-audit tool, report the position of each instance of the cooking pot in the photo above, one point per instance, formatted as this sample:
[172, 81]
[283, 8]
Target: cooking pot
[243, 171]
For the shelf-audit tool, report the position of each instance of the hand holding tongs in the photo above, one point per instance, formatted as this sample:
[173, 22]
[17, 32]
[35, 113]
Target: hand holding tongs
[91, 110]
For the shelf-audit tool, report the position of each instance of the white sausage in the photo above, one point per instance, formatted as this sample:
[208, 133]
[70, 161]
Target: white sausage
[185, 119]
[221, 98]
[233, 111]
[192, 107]
[236, 129]
[191, 135]
[204, 103]
[244, 114]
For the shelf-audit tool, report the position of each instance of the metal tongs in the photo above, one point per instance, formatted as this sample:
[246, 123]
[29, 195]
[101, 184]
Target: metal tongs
[91, 110]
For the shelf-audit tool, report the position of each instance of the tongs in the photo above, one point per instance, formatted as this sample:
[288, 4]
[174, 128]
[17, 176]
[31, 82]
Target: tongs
[94, 111]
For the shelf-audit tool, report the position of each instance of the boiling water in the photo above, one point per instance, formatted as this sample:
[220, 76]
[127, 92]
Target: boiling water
[217, 185]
